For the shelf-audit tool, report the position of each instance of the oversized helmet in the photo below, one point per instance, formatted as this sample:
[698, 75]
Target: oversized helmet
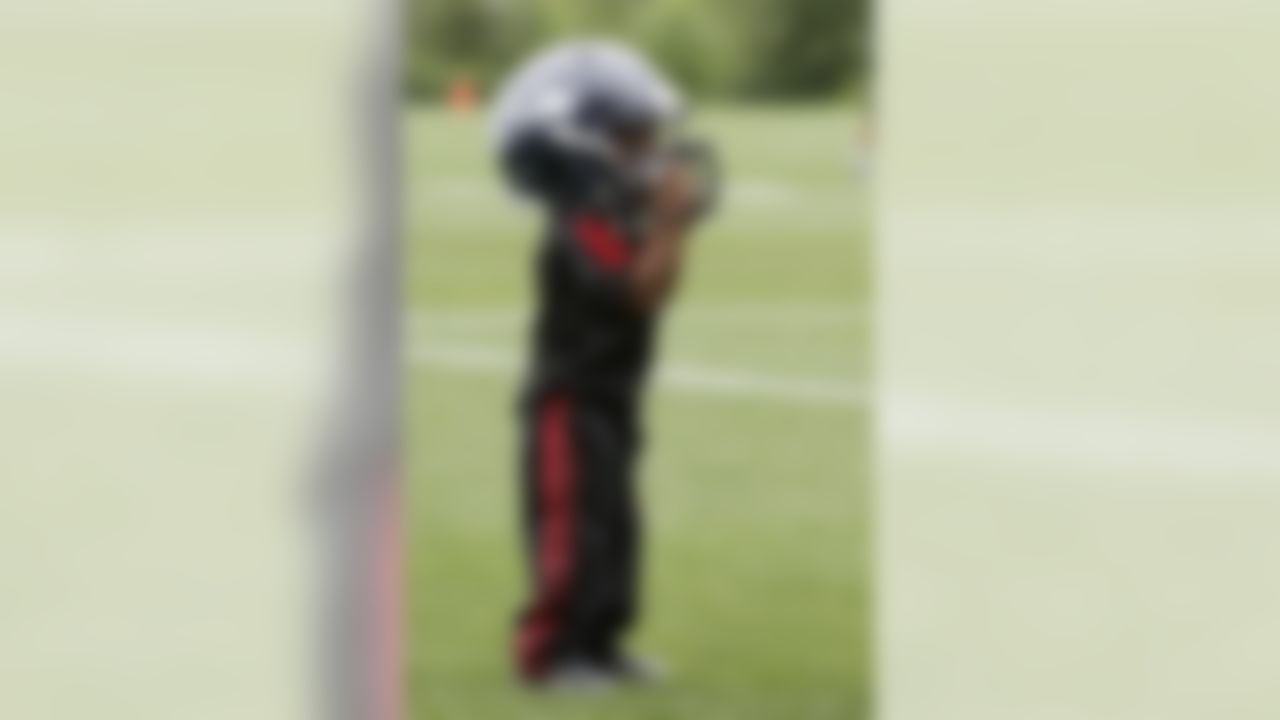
[579, 91]
[555, 123]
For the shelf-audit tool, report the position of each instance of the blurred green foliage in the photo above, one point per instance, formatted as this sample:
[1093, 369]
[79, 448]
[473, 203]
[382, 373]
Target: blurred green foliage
[741, 49]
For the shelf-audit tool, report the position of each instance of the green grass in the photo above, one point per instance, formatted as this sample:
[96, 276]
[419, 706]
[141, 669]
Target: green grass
[758, 581]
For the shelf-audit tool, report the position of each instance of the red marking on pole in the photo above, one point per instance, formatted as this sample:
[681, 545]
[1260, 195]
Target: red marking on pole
[388, 629]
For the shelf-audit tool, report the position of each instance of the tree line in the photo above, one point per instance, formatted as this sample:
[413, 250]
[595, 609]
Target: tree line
[731, 49]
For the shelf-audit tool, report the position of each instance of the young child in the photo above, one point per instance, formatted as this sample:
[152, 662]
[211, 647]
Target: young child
[584, 130]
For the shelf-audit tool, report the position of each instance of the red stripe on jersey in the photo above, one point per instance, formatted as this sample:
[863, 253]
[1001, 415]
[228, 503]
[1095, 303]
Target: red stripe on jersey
[602, 242]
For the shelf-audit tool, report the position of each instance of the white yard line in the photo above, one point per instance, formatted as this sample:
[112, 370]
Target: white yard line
[1034, 432]
[692, 379]
[150, 352]
[737, 314]
[741, 193]
[1133, 442]
[1138, 443]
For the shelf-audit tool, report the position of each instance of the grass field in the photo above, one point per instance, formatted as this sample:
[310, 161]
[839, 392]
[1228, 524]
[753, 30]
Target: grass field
[756, 481]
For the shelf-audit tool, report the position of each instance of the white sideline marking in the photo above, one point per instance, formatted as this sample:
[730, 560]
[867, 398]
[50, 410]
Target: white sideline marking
[687, 378]
[747, 192]
[186, 355]
[765, 315]
[1094, 438]
[1111, 439]
[1145, 446]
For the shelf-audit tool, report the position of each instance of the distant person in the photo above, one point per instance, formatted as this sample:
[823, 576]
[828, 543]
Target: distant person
[584, 130]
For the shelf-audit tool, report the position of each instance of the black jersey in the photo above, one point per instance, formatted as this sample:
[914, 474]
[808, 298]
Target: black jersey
[589, 337]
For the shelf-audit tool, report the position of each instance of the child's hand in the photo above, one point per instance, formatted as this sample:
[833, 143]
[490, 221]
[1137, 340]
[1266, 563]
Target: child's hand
[676, 198]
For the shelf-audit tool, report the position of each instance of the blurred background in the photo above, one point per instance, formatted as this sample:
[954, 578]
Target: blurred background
[756, 471]
[1075, 276]
[177, 214]
[722, 49]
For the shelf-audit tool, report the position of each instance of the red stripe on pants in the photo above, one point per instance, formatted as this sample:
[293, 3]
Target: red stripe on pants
[555, 530]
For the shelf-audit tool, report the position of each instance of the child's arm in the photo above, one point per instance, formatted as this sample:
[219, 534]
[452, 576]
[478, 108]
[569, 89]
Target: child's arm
[654, 274]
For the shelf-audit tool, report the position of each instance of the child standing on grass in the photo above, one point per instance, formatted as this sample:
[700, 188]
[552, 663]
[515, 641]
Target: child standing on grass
[581, 130]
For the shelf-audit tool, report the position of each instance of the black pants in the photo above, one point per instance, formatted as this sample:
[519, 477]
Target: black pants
[581, 530]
